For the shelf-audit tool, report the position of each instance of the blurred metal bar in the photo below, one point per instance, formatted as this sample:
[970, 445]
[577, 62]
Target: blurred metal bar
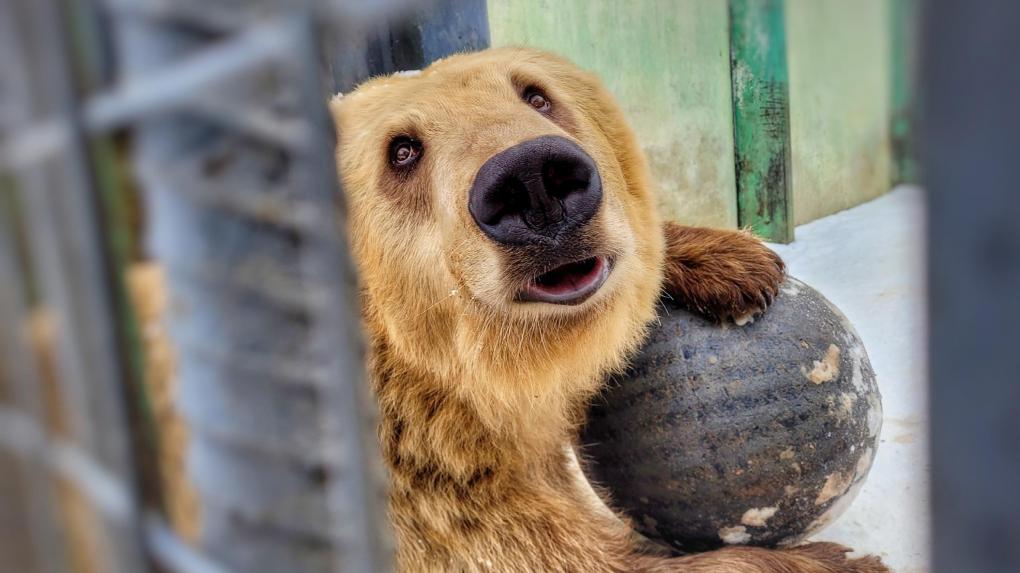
[18, 368]
[180, 81]
[172, 553]
[67, 250]
[23, 434]
[32, 144]
[65, 242]
[189, 203]
[225, 18]
[17, 365]
[357, 503]
[173, 86]
[971, 150]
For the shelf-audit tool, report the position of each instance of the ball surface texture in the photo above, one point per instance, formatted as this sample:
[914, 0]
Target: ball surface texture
[721, 434]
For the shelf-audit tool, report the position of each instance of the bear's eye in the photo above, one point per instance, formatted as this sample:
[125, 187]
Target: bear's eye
[537, 99]
[404, 151]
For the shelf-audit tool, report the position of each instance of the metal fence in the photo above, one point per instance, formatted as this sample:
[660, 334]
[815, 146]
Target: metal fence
[218, 107]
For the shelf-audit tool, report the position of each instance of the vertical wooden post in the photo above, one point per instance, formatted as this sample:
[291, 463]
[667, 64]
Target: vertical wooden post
[761, 118]
[903, 123]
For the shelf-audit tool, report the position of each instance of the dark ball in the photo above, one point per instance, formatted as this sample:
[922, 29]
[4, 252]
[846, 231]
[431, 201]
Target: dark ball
[721, 434]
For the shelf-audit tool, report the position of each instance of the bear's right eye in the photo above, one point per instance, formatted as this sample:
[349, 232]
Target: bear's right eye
[537, 99]
[404, 151]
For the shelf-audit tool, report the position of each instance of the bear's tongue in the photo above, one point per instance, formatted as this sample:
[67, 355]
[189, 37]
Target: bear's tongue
[571, 283]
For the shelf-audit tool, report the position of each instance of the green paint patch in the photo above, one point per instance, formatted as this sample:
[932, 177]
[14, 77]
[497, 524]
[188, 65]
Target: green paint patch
[761, 118]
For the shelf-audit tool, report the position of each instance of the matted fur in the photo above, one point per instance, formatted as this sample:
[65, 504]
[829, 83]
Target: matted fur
[479, 394]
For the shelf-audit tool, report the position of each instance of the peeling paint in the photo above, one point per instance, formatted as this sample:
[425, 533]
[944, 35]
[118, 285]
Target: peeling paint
[825, 369]
[864, 464]
[757, 516]
[847, 401]
[734, 535]
[790, 288]
[835, 484]
[858, 358]
[834, 511]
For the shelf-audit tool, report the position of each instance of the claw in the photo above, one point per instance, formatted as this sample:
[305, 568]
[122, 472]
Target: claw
[745, 319]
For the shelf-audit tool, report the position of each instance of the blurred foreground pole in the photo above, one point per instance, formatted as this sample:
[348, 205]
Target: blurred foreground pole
[243, 213]
[971, 156]
[245, 217]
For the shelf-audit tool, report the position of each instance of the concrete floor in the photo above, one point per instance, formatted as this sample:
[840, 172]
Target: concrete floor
[869, 261]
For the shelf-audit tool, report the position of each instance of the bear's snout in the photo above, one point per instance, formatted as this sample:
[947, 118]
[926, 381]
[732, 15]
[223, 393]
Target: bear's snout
[535, 192]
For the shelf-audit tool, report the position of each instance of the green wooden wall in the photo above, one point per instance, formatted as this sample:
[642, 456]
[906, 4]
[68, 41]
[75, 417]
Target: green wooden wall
[840, 103]
[667, 61]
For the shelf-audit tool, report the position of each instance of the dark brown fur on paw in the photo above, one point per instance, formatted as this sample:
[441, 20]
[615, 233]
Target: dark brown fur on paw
[832, 557]
[720, 273]
[811, 558]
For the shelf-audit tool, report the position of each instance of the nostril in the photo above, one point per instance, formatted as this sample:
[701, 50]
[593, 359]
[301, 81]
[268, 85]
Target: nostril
[561, 178]
[508, 198]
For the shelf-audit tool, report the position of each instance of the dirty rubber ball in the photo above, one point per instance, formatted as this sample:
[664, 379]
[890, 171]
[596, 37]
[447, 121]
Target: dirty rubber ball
[721, 434]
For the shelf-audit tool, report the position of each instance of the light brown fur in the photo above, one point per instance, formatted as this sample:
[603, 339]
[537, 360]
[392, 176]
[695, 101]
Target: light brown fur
[479, 394]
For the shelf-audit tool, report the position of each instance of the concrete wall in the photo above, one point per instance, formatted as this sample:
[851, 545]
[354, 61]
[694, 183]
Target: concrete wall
[667, 61]
[839, 65]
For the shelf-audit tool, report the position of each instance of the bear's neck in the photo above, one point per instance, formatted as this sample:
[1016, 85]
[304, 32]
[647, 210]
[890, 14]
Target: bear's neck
[456, 430]
[461, 490]
[475, 428]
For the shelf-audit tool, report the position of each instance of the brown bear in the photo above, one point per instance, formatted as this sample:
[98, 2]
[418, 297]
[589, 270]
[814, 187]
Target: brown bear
[505, 229]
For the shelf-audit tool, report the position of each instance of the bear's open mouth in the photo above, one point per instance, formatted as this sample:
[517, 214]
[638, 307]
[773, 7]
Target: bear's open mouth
[571, 283]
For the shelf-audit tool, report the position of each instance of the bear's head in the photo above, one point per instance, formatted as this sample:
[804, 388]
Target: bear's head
[501, 218]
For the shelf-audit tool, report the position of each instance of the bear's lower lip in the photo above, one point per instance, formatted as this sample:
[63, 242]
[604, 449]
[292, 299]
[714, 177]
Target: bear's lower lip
[570, 284]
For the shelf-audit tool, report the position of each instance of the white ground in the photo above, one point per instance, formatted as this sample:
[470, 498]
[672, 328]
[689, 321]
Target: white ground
[869, 262]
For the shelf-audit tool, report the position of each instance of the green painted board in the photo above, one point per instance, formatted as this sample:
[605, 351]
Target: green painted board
[667, 63]
[761, 118]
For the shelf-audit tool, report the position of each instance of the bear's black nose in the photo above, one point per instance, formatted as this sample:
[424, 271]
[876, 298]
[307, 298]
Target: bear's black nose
[535, 192]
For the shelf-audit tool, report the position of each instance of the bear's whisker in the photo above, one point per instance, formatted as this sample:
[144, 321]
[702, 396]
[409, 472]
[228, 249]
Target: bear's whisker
[453, 293]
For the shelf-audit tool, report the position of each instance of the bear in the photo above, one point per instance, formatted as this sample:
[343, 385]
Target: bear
[505, 231]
